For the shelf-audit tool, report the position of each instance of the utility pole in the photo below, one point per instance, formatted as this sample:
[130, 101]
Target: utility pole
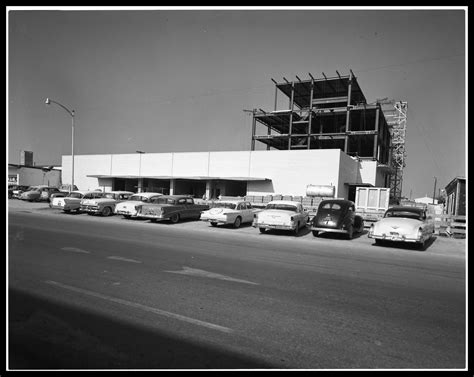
[434, 189]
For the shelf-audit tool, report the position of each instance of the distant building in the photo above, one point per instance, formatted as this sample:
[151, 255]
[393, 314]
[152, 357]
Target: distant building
[33, 175]
[426, 200]
[26, 158]
[456, 197]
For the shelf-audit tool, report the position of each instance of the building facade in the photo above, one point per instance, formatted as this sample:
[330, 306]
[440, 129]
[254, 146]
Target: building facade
[456, 197]
[32, 176]
[232, 173]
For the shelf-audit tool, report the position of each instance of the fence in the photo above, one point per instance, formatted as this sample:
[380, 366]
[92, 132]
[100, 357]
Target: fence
[449, 225]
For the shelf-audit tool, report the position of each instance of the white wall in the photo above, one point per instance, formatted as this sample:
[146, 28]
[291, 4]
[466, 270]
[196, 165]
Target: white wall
[349, 172]
[289, 172]
[193, 164]
[292, 171]
[93, 164]
[35, 176]
[157, 164]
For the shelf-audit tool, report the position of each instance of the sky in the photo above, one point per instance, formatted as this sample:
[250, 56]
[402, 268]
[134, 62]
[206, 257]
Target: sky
[159, 79]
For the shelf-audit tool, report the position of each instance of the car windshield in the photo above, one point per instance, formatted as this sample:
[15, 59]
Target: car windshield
[77, 195]
[224, 205]
[405, 214]
[283, 207]
[163, 200]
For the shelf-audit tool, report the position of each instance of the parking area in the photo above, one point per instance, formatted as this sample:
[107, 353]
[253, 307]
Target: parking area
[437, 245]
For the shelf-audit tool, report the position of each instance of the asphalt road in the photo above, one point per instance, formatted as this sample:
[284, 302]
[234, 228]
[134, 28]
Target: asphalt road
[87, 292]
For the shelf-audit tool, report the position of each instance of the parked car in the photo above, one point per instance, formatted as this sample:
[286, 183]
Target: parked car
[38, 193]
[66, 187]
[337, 216]
[14, 191]
[129, 207]
[281, 214]
[105, 205]
[234, 212]
[403, 224]
[72, 200]
[172, 208]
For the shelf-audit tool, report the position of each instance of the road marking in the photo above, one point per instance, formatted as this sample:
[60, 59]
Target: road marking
[75, 250]
[207, 274]
[142, 307]
[124, 259]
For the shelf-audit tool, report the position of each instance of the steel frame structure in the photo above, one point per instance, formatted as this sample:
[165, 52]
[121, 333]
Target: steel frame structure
[323, 113]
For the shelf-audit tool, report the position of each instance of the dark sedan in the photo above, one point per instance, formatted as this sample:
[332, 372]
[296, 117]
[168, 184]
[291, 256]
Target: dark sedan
[337, 216]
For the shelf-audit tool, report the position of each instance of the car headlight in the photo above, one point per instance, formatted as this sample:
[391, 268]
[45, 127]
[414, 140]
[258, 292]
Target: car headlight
[419, 234]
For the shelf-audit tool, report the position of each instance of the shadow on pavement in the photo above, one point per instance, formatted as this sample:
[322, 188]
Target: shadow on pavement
[45, 334]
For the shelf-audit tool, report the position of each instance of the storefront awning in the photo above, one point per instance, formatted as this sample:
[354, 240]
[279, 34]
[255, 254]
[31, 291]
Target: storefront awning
[195, 178]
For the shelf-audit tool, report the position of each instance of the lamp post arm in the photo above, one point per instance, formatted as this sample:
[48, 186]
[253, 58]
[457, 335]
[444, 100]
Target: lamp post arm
[71, 112]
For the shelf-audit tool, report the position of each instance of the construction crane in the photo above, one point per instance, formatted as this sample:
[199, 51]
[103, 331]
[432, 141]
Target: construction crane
[396, 115]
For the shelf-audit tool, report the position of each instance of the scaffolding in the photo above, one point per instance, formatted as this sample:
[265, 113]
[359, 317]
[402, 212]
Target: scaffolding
[324, 113]
[397, 121]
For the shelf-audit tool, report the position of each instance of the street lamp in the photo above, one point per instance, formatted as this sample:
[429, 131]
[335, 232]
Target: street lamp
[71, 113]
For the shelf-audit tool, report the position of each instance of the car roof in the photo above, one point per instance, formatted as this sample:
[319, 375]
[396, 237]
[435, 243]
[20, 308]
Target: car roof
[289, 202]
[406, 208]
[148, 194]
[119, 192]
[176, 196]
[83, 192]
[343, 202]
[235, 201]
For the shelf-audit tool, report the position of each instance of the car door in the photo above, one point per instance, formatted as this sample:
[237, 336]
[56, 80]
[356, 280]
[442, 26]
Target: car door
[247, 212]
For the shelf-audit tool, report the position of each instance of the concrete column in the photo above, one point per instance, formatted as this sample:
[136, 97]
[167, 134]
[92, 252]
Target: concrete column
[208, 189]
[172, 183]
[140, 185]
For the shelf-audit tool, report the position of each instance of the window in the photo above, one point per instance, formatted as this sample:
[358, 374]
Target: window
[332, 206]
[283, 207]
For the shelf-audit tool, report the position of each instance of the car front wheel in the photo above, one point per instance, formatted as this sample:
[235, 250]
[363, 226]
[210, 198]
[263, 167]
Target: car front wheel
[262, 230]
[315, 233]
[175, 218]
[106, 211]
[237, 222]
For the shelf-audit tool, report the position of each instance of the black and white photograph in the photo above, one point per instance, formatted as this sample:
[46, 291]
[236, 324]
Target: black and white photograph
[236, 188]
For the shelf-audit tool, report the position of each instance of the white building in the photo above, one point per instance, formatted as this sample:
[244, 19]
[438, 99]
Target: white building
[426, 200]
[33, 175]
[230, 173]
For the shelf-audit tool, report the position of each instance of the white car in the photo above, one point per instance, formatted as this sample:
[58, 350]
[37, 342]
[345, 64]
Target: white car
[72, 200]
[233, 212]
[281, 214]
[129, 207]
[403, 224]
[104, 205]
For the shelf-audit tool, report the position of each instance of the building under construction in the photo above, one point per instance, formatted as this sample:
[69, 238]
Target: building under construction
[329, 136]
[331, 113]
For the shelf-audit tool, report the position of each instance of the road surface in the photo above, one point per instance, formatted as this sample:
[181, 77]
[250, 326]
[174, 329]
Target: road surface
[88, 292]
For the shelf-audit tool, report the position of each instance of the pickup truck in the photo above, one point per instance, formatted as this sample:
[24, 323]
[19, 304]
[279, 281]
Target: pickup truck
[171, 207]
